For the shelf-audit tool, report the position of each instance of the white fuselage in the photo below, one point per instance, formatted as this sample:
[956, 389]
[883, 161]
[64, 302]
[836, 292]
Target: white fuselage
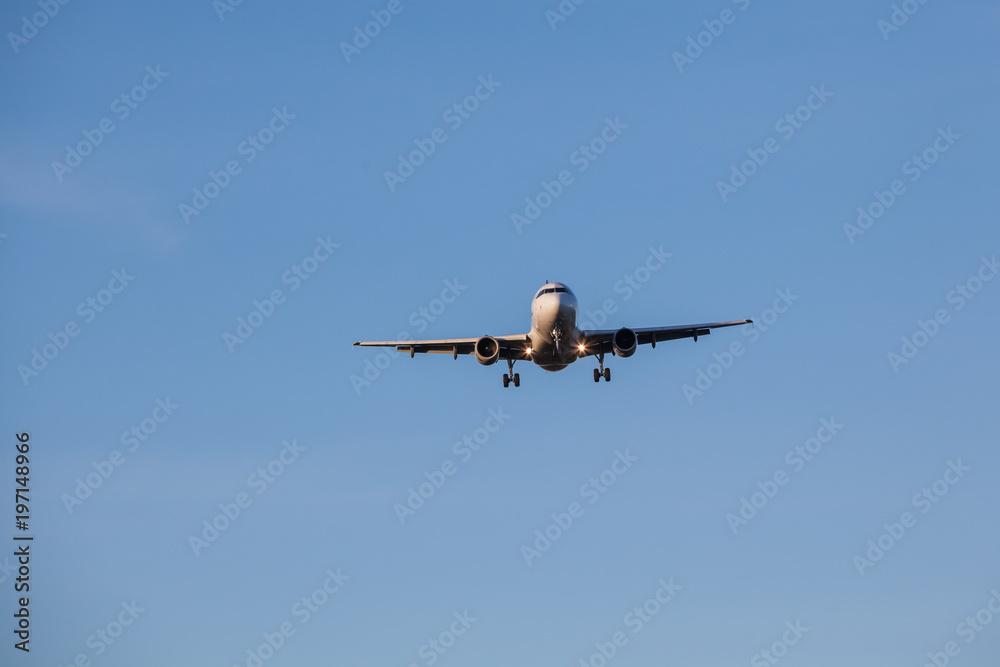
[554, 336]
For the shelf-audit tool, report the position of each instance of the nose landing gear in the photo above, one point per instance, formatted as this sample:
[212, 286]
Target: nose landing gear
[556, 336]
[605, 372]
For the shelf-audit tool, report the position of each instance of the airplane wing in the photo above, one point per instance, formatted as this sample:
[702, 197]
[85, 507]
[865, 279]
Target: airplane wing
[599, 341]
[514, 346]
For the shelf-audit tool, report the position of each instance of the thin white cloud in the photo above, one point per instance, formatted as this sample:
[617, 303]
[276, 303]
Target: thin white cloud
[79, 201]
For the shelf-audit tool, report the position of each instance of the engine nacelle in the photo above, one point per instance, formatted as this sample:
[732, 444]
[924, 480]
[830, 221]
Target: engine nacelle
[487, 350]
[624, 342]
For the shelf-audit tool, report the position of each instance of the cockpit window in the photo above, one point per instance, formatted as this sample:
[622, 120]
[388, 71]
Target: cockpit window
[560, 289]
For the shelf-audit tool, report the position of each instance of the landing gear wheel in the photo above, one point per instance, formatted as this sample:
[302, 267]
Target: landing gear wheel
[512, 376]
[602, 371]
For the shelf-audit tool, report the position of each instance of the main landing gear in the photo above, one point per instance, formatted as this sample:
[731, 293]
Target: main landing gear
[512, 377]
[606, 372]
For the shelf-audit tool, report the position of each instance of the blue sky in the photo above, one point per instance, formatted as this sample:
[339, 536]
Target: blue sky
[289, 141]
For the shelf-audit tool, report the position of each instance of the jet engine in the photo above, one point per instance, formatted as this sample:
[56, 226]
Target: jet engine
[624, 342]
[487, 350]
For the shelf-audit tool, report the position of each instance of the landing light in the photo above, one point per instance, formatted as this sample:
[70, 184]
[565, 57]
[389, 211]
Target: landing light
[528, 351]
[583, 347]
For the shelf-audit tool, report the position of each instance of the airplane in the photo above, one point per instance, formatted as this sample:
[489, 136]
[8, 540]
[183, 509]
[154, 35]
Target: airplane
[554, 341]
